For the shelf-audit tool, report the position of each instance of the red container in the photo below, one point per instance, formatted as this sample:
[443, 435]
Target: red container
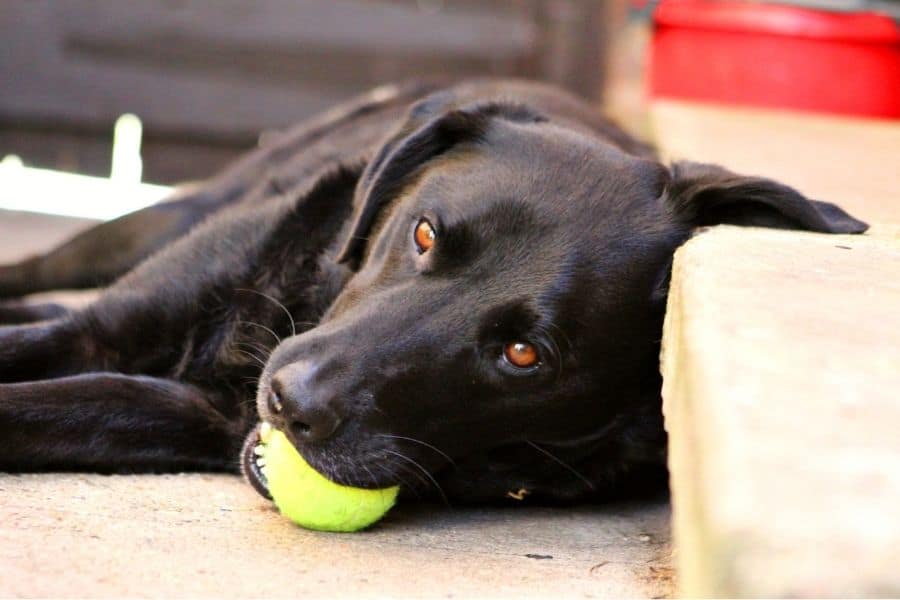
[776, 56]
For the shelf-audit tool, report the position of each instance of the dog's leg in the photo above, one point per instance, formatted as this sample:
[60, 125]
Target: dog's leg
[99, 255]
[19, 313]
[49, 349]
[116, 423]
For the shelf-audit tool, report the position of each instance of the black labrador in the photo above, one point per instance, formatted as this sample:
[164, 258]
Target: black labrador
[457, 289]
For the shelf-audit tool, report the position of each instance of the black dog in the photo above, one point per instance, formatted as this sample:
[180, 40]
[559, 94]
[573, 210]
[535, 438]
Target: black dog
[455, 289]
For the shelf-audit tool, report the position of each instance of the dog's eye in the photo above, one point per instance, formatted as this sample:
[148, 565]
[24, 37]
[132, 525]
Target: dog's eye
[521, 355]
[424, 236]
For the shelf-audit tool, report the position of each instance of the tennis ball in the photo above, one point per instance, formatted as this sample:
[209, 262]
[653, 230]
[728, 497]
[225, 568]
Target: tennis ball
[312, 500]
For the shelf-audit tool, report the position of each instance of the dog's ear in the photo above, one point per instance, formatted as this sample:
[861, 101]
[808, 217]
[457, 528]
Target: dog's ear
[702, 194]
[432, 127]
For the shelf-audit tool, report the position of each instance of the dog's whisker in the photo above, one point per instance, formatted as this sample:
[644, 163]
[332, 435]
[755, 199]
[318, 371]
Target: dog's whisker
[251, 381]
[393, 473]
[559, 357]
[251, 355]
[553, 342]
[425, 471]
[399, 465]
[562, 463]
[560, 329]
[357, 467]
[265, 351]
[307, 323]
[277, 303]
[426, 444]
[340, 463]
[264, 328]
[247, 401]
[255, 345]
[350, 466]
[589, 438]
[371, 476]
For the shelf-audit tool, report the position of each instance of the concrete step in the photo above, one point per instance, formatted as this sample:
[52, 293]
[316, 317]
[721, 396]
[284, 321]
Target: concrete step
[781, 365]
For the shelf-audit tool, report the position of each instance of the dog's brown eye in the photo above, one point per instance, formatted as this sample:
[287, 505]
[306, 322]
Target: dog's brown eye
[424, 236]
[521, 354]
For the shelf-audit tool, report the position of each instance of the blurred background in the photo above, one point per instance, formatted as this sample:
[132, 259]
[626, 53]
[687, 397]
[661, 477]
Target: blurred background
[207, 78]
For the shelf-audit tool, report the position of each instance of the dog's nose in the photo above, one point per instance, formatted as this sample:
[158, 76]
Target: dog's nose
[307, 414]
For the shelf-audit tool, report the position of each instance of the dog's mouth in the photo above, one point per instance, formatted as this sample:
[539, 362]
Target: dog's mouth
[252, 463]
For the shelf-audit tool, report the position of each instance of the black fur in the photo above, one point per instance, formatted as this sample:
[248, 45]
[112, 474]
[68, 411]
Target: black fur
[298, 295]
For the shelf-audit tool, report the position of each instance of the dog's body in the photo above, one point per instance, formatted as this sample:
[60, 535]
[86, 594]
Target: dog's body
[298, 277]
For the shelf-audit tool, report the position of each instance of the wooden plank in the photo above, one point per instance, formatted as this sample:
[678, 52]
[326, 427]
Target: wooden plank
[232, 67]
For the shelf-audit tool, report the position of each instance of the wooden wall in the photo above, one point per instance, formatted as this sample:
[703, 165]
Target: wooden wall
[207, 76]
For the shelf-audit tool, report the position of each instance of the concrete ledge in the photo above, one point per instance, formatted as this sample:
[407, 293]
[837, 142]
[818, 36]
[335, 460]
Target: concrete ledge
[781, 365]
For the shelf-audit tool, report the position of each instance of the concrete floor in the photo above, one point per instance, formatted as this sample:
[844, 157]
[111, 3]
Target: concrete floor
[66, 535]
[211, 536]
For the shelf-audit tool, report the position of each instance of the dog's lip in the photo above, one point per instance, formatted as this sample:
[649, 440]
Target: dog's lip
[249, 465]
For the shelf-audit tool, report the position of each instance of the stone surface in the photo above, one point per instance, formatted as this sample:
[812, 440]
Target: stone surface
[65, 535]
[781, 367]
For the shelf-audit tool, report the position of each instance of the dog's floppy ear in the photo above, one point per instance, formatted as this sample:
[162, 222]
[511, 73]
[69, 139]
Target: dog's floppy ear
[702, 194]
[433, 126]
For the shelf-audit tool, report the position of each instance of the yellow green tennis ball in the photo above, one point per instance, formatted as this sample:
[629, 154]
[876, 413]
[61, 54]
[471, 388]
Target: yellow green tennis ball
[312, 500]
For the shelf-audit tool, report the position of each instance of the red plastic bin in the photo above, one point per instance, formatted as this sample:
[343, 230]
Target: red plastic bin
[774, 55]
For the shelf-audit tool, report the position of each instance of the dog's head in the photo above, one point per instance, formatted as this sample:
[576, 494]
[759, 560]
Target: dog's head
[501, 329]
